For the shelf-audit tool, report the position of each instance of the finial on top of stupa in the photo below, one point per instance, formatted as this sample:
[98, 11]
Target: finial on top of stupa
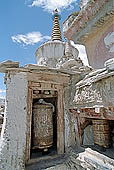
[56, 32]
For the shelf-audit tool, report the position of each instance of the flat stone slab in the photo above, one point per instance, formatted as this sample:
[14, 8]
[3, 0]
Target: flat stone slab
[97, 160]
[109, 64]
[8, 64]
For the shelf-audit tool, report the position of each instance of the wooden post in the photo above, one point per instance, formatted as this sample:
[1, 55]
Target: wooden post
[60, 122]
[60, 114]
[29, 120]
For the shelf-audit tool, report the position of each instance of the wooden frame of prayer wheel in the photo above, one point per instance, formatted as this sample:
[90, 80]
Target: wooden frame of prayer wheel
[101, 132]
[42, 126]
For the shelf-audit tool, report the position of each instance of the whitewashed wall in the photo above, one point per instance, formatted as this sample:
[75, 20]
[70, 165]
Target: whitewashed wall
[50, 52]
[13, 138]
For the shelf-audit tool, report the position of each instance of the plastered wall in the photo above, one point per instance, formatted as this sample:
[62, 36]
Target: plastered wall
[13, 139]
[100, 45]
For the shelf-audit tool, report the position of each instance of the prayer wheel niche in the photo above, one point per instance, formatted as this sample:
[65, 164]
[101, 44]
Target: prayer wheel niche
[42, 125]
[101, 131]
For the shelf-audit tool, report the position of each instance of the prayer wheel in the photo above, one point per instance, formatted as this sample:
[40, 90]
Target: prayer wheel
[42, 125]
[101, 132]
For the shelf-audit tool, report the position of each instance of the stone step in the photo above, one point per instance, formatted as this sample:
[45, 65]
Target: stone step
[97, 160]
[45, 162]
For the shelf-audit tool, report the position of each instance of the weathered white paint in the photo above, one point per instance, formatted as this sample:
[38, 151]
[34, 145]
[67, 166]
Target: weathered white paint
[83, 3]
[109, 64]
[50, 52]
[82, 53]
[13, 138]
[67, 130]
[71, 63]
[71, 132]
[96, 159]
[97, 109]
[109, 41]
[71, 128]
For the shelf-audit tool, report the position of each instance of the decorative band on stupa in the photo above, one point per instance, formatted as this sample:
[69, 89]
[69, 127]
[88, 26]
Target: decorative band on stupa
[56, 32]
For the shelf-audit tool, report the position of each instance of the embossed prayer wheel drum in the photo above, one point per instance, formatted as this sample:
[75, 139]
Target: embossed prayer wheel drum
[101, 132]
[42, 125]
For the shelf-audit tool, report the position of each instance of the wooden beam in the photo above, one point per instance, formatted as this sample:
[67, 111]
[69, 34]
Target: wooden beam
[95, 113]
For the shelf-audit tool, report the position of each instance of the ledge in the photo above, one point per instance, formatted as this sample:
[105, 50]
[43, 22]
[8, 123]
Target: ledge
[8, 64]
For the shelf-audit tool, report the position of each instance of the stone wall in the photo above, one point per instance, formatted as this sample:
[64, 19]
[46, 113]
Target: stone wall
[99, 46]
[96, 90]
[93, 27]
[13, 137]
[71, 129]
[106, 89]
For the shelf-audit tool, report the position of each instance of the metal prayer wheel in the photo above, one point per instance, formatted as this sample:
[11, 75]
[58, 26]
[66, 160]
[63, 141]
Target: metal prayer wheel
[42, 125]
[101, 132]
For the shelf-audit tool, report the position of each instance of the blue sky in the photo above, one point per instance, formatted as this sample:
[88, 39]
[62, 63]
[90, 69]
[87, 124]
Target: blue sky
[25, 24]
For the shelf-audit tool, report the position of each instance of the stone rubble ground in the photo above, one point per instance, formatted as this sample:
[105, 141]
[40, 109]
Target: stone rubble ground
[85, 160]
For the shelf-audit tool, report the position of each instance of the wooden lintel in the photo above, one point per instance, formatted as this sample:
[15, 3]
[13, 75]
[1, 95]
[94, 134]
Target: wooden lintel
[95, 113]
[39, 96]
[48, 77]
[44, 86]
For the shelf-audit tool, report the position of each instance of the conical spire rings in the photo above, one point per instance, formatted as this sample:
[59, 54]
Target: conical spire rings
[56, 32]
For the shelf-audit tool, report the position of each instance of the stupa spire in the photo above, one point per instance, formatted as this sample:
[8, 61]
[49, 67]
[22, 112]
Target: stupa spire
[56, 32]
